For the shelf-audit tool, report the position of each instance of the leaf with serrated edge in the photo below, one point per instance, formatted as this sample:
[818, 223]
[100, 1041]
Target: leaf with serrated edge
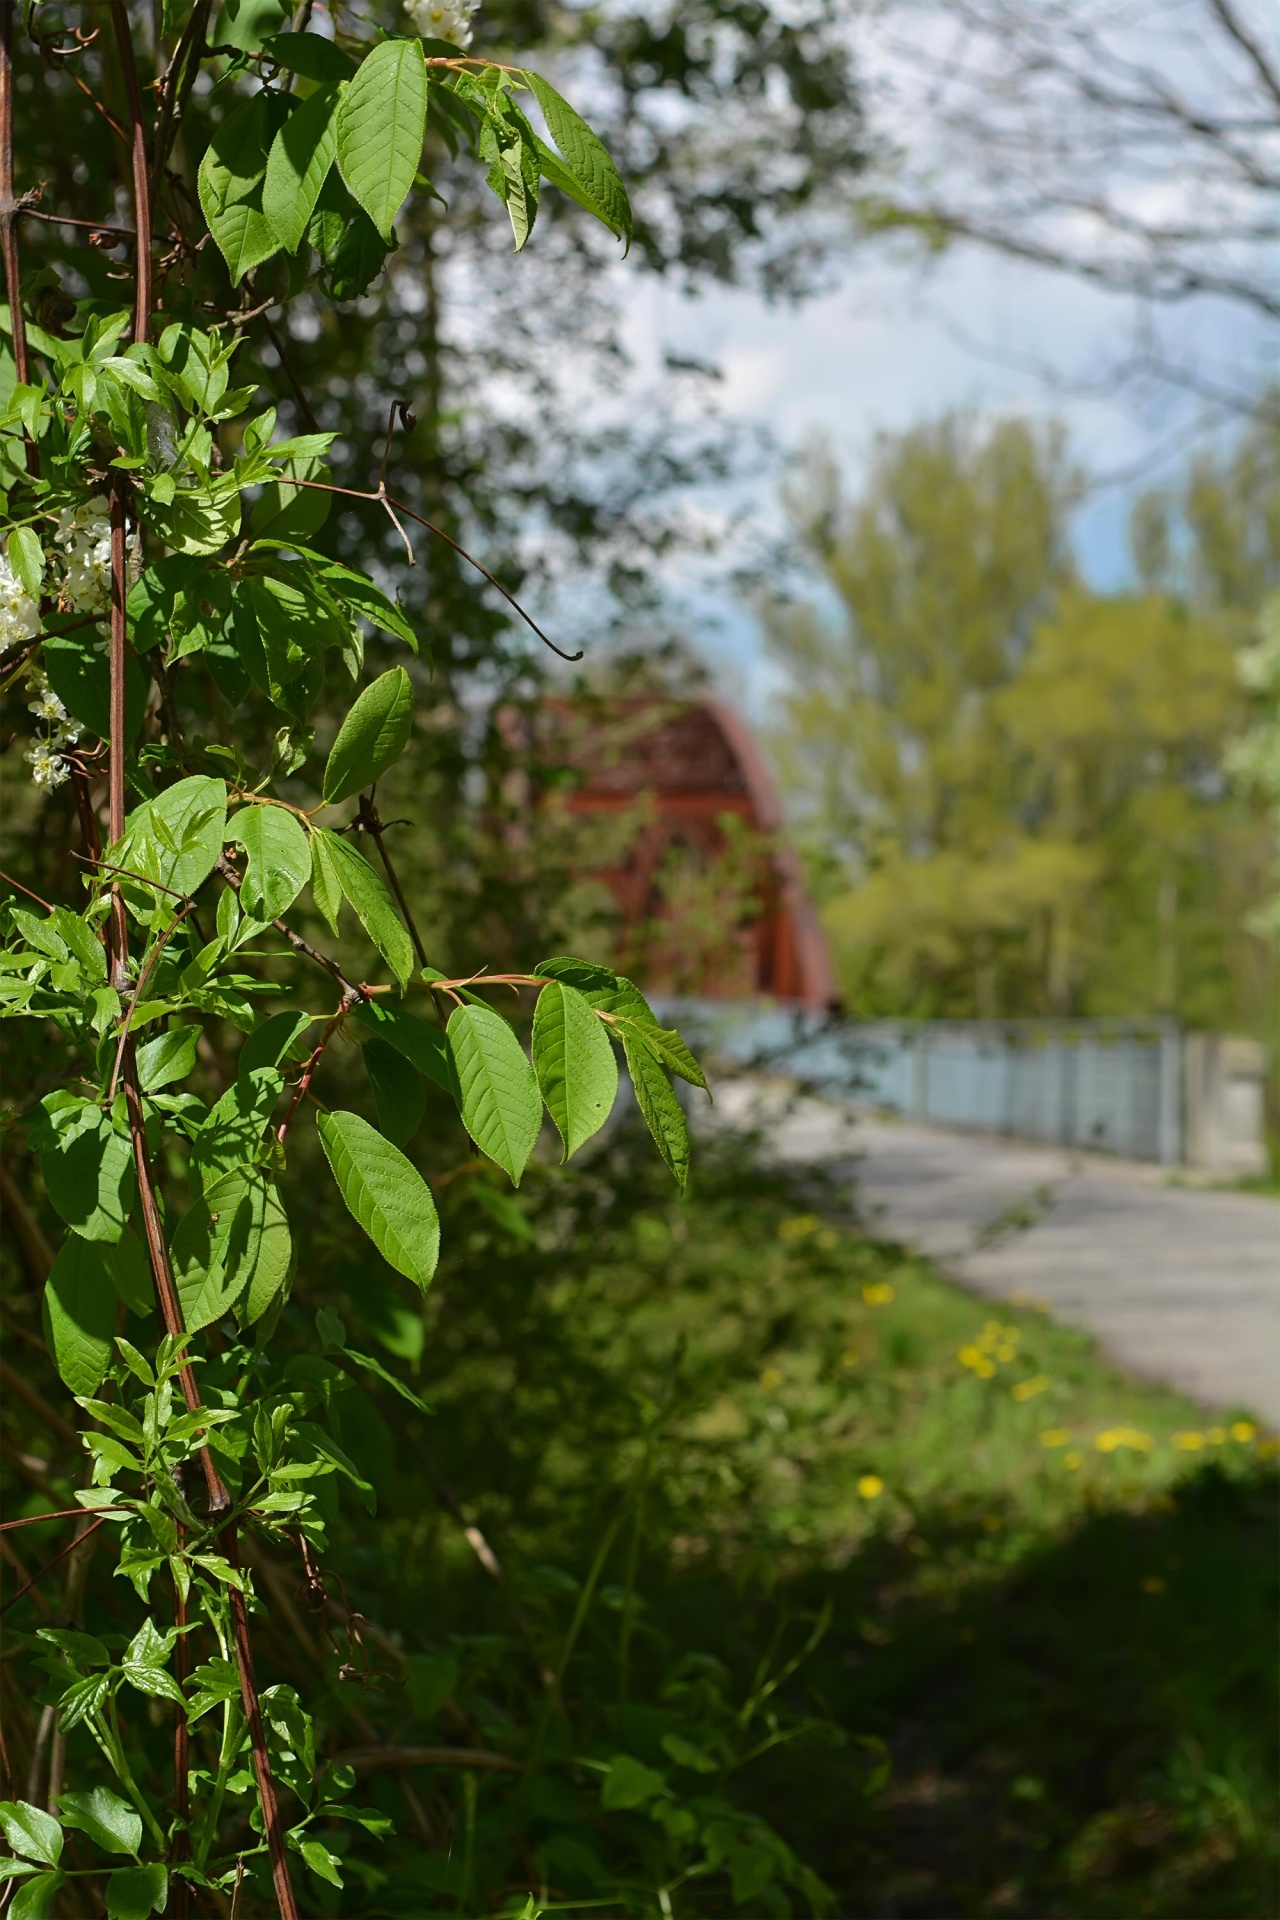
[326, 889]
[373, 736]
[373, 905]
[586, 157]
[385, 1193]
[300, 158]
[501, 1105]
[381, 124]
[278, 859]
[574, 1063]
[398, 1092]
[233, 1242]
[662, 1111]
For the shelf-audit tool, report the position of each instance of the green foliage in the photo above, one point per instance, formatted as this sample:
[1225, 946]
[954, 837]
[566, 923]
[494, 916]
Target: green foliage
[1014, 781]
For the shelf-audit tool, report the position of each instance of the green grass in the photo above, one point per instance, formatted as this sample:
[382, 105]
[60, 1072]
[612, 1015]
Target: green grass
[1050, 1589]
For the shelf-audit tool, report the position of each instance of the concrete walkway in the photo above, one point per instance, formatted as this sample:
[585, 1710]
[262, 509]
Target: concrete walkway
[1179, 1283]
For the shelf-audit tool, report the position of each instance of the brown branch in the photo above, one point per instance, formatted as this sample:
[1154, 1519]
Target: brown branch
[383, 499]
[369, 821]
[136, 997]
[10, 881]
[16, 1383]
[49, 1565]
[141, 182]
[350, 999]
[37, 1519]
[233, 877]
[363, 1760]
[8, 229]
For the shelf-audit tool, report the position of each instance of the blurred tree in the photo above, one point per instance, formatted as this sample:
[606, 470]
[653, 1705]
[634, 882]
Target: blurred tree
[1016, 784]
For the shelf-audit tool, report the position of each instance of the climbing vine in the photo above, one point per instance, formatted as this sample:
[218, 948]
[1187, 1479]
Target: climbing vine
[159, 534]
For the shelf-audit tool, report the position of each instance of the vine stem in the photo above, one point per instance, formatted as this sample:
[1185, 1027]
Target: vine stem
[153, 1229]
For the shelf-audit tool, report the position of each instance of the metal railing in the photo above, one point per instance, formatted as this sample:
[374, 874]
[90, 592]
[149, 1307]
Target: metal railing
[1113, 1086]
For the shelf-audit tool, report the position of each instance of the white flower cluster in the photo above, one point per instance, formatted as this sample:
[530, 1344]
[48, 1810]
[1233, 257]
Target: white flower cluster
[443, 19]
[84, 534]
[44, 755]
[19, 613]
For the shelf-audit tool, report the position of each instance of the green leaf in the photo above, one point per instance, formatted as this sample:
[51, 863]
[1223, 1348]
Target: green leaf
[629, 1783]
[501, 1105]
[31, 1831]
[585, 975]
[574, 1063]
[231, 1248]
[104, 1816]
[135, 1892]
[309, 54]
[198, 520]
[381, 124]
[35, 1900]
[176, 838]
[26, 557]
[398, 1091]
[586, 157]
[230, 182]
[81, 677]
[374, 907]
[358, 257]
[272, 1041]
[231, 1136]
[385, 1193]
[373, 735]
[279, 859]
[326, 888]
[88, 1174]
[300, 157]
[321, 1861]
[426, 1047]
[169, 1057]
[80, 1316]
[658, 1104]
[129, 1271]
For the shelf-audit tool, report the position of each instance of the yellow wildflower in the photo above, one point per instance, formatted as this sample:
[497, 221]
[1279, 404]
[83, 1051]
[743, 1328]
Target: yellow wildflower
[798, 1226]
[878, 1294]
[771, 1378]
[870, 1486]
[1216, 1436]
[1055, 1437]
[827, 1240]
[1028, 1389]
[849, 1358]
[1189, 1441]
[1072, 1460]
[1129, 1437]
[1243, 1431]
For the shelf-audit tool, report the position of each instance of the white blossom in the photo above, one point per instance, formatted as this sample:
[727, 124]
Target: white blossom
[48, 769]
[19, 613]
[443, 19]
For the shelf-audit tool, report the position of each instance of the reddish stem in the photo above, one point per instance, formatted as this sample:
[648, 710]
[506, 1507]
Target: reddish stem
[138, 157]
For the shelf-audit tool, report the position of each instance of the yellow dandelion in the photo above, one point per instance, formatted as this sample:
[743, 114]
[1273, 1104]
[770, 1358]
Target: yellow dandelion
[1055, 1437]
[878, 1293]
[1216, 1436]
[1188, 1441]
[798, 1226]
[1072, 1460]
[1129, 1437]
[1028, 1389]
[1243, 1431]
[771, 1378]
[870, 1486]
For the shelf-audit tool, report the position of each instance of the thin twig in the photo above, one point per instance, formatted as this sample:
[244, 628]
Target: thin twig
[136, 997]
[369, 821]
[50, 1564]
[141, 183]
[10, 881]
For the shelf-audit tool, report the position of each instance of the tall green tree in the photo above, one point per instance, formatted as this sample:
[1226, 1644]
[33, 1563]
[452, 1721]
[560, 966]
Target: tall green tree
[1016, 784]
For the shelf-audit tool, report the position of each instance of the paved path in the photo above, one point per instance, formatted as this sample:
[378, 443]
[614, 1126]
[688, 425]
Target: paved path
[1179, 1283]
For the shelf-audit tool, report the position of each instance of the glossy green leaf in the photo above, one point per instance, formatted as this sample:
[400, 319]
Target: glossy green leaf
[501, 1105]
[80, 1316]
[311, 55]
[168, 1057]
[300, 158]
[176, 838]
[34, 1899]
[326, 888]
[80, 675]
[26, 557]
[232, 1135]
[586, 157]
[135, 1892]
[230, 180]
[31, 1831]
[662, 1111]
[425, 1046]
[278, 864]
[398, 1092]
[629, 1783]
[373, 736]
[574, 1063]
[129, 1271]
[381, 124]
[275, 1039]
[232, 1248]
[88, 1173]
[373, 905]
[385, 1193]
[104, 1816]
